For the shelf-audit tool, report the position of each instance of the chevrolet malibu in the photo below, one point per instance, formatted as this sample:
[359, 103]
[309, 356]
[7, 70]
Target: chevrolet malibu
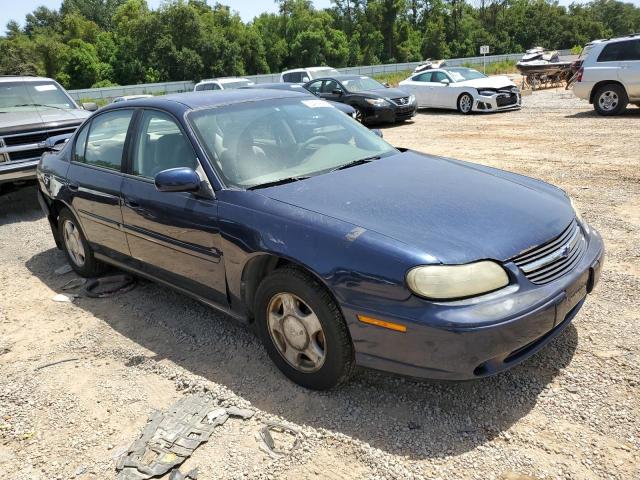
[337, 248]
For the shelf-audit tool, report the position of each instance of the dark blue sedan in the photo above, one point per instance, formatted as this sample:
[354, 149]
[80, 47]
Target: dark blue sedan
[339, 249]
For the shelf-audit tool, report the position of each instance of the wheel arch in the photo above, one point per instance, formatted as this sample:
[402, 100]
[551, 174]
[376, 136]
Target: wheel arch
[260, 265]
[465, 92]
[602, 83]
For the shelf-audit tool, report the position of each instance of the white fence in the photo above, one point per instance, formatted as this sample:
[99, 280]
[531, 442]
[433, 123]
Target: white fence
[109, 93]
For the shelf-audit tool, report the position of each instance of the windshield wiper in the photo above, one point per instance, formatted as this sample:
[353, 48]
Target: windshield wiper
[39, 105]
[355, 163]
[282, 181]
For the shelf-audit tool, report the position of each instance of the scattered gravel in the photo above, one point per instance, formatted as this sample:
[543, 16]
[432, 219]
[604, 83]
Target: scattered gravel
[571, 412]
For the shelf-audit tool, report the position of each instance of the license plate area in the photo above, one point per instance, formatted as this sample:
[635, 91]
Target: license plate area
[574, 295]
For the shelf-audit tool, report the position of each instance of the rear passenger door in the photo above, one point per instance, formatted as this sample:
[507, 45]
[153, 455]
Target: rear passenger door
[95, 177]
[173, 236]
[630, 69]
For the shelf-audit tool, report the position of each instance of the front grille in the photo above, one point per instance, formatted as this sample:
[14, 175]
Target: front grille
[32, 138]
[554, 259]
[511, 99]
[401, 101]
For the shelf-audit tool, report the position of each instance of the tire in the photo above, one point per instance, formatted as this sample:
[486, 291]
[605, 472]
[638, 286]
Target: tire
[331, 358]
[465, 103]
[74, 242]
[610, 99]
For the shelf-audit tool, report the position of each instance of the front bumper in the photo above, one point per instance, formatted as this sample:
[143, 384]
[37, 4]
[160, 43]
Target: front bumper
[497, 102]
[18, 171]
[390, 113]
[477, 337]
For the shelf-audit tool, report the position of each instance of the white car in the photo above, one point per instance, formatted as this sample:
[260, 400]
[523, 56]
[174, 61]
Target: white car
[304, 75]
[225, 83]
[609, 76]
[464, 89]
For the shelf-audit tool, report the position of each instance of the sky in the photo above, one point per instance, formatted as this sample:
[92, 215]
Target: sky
[248, 9]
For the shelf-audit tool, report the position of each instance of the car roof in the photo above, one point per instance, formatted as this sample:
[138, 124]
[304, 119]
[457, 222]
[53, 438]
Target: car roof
[632, 36]
[180, 102]
[277, 86]
[342, 77]
[307, 69]
[223, 80]
[24, 78]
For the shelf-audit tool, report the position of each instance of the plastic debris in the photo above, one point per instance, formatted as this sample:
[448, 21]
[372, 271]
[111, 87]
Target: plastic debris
[108, 286]
[170, 437]
[63, 298]
[268, 443]
[66, 268]
[243, 413]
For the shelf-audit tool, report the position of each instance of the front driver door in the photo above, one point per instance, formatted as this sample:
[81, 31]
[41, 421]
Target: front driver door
[173, 236]
[439, 96]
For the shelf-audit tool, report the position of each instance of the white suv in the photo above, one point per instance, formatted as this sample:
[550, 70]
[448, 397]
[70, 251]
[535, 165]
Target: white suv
[304, 75]
[225, 83]
[609, 76]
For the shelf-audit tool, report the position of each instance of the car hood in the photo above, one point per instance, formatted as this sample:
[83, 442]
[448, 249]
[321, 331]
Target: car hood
[14, 122]
[454, 211]
[489, 82]
[384, 93]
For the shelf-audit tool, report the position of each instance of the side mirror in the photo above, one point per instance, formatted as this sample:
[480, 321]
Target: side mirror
[305, 79]
[181, 179]
[386, 85]
[378, 132]
[57, 142]
[90, 106]
[337, 91]
[445, 82]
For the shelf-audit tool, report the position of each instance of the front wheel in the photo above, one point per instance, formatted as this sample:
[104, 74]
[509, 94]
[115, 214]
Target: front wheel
[303, 330]
[610, 100]
[465, 103]
[359, 116]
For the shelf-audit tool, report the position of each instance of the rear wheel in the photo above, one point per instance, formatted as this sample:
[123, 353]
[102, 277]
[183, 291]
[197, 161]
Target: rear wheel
[303, 330]
[359, 116]
[75, 245]
[610, 99]
[465, 103]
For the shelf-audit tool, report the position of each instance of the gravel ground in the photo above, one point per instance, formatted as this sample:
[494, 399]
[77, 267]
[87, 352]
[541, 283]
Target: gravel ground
[572, 411]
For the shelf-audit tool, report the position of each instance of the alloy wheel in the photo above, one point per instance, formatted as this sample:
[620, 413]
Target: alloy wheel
[608, 101]
[466, 103]
[296, 332]
[359, 115]
[73, 243]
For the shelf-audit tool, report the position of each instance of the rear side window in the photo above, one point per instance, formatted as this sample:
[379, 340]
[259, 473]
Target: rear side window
[620, 51]
[105, 143]
[295, 77]
[423, 77]
[207, 86]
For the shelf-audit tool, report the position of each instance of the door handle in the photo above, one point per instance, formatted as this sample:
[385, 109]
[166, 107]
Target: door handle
[74, 187]
[131, 203]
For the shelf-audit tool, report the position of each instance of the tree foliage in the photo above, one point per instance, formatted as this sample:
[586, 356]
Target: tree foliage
[105, 42]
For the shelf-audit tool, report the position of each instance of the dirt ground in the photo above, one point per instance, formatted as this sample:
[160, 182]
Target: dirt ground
[570, 412]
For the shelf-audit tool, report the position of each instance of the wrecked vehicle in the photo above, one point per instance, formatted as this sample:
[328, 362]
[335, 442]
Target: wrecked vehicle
[337, 248]
[33, 109]
[463, 89]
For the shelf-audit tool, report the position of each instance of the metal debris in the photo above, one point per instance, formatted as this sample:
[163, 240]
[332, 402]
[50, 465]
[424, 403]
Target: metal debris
[40, 367]
[178, 475]
[269, 445]
[169, 438]
[110, 285]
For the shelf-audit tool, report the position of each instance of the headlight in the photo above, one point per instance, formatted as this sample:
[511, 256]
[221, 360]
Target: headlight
[578, 216]
[376, 102]
[412, 98]
[486, 93]
[445, 282]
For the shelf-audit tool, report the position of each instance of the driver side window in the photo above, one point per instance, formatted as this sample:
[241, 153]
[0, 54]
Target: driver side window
[329, 86]
[161, 145]
[437, 77]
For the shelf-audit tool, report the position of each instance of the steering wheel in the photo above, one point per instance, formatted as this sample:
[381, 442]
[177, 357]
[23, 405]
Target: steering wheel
[316, 140]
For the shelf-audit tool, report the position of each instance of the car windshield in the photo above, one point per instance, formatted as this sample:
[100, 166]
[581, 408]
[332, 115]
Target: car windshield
[359, 84]
[462, 74]
[32, 95]
[322, 72]
[257, 143]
